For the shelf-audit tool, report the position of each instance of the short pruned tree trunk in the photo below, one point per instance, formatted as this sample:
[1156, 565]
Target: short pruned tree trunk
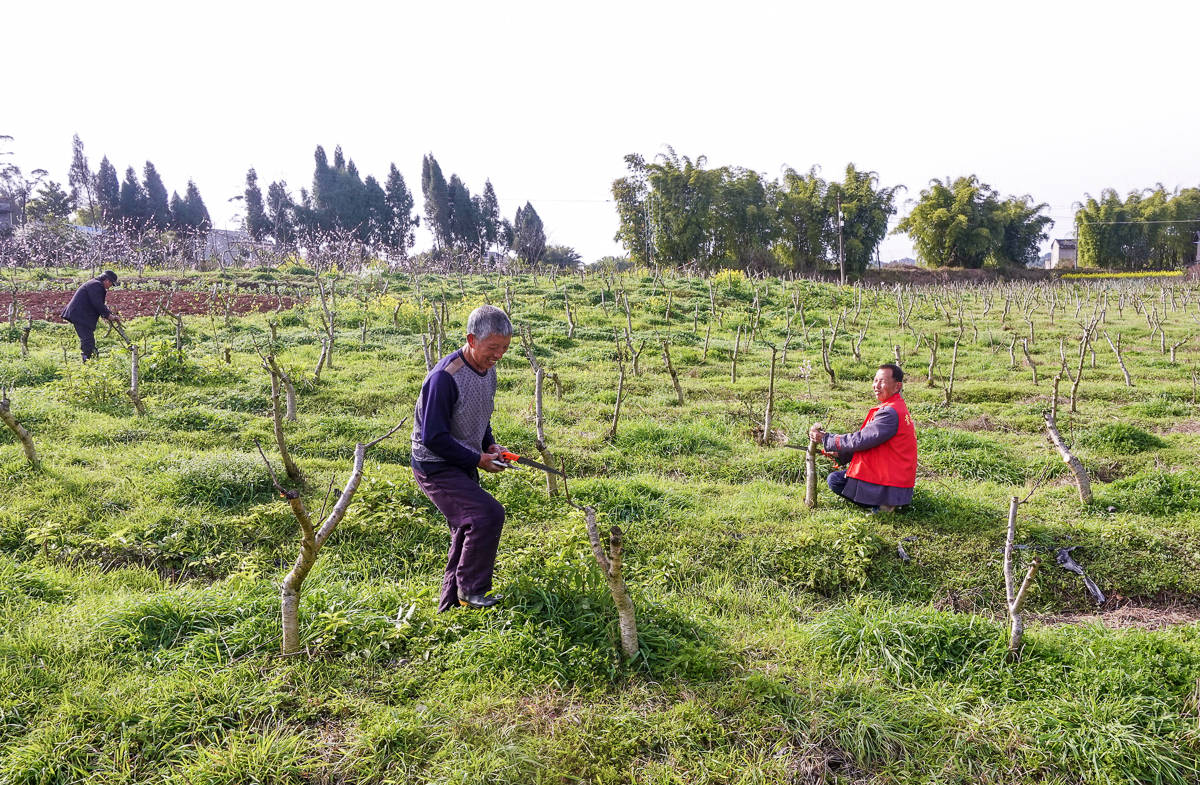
[1016, 597]
[810, 473]
[312, 538]
[17, 429]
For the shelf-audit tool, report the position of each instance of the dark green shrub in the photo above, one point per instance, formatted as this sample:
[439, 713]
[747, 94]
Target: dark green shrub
[165, 364]
[829, 560]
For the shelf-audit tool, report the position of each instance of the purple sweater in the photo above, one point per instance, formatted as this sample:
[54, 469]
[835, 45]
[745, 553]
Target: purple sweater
[452, 421]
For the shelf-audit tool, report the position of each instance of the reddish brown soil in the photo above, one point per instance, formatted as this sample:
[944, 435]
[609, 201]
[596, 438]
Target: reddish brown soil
[48, 305]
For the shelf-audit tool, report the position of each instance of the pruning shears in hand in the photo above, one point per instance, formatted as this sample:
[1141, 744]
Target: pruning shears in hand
[510, 458]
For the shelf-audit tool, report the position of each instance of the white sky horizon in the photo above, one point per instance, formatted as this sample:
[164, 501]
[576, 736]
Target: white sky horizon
[1055, 100]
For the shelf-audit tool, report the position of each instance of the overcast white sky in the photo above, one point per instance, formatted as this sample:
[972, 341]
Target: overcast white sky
[1052, 99]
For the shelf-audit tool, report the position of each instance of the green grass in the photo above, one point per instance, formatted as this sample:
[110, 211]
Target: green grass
[140, 564]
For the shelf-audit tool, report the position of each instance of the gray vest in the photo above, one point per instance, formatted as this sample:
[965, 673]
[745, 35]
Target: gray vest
[472, 411]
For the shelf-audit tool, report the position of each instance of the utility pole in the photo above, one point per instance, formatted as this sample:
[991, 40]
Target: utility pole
[1076, 265]
[841, 254]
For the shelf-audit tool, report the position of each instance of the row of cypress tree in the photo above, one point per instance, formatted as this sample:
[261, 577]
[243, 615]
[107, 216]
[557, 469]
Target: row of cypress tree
[380, 217]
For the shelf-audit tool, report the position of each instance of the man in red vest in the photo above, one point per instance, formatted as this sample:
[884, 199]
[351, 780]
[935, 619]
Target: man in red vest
[882, 454]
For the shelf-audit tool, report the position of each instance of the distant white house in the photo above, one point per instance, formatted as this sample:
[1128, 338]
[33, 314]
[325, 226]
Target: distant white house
[1062, 254]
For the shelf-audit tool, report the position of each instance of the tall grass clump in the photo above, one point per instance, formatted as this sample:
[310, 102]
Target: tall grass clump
[223, 479]
[1120, 438]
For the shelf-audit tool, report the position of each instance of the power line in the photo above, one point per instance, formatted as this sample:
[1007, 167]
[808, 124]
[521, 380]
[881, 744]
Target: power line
[1176, 221]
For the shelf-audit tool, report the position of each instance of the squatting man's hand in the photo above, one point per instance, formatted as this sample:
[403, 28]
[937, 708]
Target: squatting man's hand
[816, 434]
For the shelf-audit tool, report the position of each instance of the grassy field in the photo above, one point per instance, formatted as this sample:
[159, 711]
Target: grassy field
[140, 563]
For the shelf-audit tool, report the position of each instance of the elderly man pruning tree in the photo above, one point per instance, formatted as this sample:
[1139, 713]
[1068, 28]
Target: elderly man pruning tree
[882, 454]
[451, 441]
[86, 308]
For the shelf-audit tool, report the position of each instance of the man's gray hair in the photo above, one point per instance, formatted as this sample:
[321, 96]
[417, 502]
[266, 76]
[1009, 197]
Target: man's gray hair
[488, 320]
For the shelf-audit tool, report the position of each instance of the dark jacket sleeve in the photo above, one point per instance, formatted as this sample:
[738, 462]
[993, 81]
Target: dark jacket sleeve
[97, 295]
[441, 393]
[882, 427]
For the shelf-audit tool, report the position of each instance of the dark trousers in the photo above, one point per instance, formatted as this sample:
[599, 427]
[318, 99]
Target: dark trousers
[87, 340]
[475, 520]
[837, 484]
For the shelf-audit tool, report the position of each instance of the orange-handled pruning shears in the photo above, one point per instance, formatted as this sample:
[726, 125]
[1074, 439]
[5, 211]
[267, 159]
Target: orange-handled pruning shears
[512, 457]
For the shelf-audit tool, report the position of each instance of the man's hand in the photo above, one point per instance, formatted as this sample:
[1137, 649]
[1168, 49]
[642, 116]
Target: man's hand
[490, 461]
[816, 434]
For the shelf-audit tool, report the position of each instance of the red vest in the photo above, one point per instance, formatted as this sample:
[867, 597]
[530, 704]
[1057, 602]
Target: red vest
[894, 462]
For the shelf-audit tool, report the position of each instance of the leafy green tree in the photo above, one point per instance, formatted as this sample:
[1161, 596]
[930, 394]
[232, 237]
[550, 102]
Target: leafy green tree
[529, 236]
[1179, 236]
[488, 209]
[51, 204]
[562, 256]
[351, 207]
[135, 209]
[1024, 230]
[180, 220]
[866, 209]
[323, 187]
[681, 196]
[258, 225]
[197, 212]
[280, 211]
[156, 199]
[955, 224]
[1111, 234]
[307, 222]
[805, 226]
[17, 186]
[400, 234]
[108, 193]
[630, 194]
[465, 233]
[743, 220]
[374, 229]
[438, 210]
[1150, 228]
[82, 182]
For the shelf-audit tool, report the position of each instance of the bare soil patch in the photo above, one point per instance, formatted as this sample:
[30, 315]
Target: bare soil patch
[1187, 426]
[46, 306]
[1128, 617]
[980, 423]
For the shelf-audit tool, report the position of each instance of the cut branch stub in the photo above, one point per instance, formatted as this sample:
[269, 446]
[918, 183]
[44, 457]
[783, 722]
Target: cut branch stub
[312, 538]
[17, 429]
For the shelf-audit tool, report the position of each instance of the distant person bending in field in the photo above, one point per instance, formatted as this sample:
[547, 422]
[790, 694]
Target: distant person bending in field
[882, 454]
[86, 308]
[451, 441]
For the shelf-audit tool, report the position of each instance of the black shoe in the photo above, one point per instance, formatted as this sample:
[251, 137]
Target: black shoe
[477, 600]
